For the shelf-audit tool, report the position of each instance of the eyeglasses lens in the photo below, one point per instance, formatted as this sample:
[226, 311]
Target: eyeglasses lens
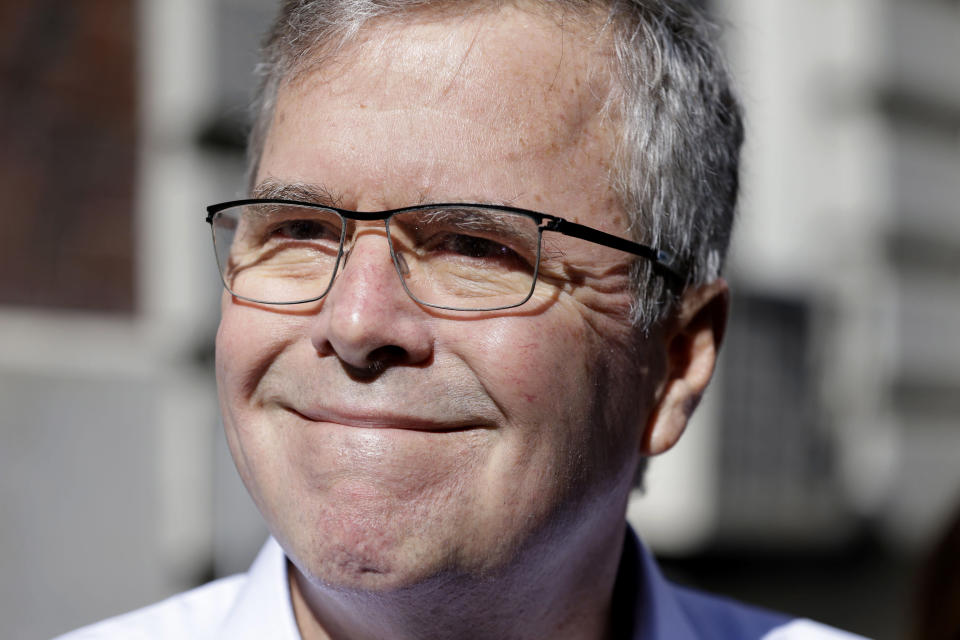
[450, 257]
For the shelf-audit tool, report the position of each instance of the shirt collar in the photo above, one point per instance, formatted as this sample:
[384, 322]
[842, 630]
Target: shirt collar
[263, 608]
[643, 608]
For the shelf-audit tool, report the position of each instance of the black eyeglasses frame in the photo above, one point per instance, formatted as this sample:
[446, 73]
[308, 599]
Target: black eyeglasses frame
[661, 261]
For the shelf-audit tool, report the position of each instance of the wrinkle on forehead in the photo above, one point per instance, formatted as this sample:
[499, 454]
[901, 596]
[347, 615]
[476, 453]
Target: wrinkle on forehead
[560, 70]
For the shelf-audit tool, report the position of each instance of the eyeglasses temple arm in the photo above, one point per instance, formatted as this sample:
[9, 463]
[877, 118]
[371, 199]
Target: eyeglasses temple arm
[662, 260]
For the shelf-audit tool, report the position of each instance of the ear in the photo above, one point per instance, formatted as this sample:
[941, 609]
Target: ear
[691, 337]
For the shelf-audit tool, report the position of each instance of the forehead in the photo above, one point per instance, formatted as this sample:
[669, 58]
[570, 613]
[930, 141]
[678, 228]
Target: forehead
[456, 107]
[551, 61]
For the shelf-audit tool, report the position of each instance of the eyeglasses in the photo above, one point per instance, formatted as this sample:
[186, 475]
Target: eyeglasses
[460, 257]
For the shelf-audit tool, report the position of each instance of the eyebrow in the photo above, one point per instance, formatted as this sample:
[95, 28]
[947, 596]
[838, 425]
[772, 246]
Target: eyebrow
[300, 191]
[488, 221]
[271, 188]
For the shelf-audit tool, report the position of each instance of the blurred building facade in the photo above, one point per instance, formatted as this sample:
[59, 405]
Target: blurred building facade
[834, 421]
[834, 412]
[837, 393]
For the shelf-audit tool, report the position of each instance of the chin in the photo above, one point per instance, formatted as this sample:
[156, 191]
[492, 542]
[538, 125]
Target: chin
[348, 571]
[350, 555]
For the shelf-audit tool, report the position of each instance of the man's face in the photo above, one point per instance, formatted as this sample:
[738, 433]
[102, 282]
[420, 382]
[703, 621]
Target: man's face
[385, 442]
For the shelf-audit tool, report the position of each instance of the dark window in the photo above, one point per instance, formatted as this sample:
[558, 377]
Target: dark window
[775, 456]
[67, 122]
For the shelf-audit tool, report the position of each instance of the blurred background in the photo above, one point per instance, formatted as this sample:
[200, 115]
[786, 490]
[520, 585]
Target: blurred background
[818, 474]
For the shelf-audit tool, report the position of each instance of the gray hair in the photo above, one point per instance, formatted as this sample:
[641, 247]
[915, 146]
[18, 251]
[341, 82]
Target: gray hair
[675, 165]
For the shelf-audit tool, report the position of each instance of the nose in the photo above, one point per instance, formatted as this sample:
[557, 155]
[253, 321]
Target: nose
[367, 320]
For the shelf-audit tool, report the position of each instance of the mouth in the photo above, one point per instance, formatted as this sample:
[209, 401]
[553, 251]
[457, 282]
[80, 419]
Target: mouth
[387, 420]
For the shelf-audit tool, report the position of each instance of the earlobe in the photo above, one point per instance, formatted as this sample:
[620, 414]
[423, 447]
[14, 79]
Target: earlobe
[692, 340]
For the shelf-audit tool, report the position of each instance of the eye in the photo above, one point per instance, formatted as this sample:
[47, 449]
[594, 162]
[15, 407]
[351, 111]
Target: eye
[473, 247]
[485, 252]
[306, 229]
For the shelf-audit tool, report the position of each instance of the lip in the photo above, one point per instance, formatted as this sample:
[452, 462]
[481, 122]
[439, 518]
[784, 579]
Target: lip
[382, 420]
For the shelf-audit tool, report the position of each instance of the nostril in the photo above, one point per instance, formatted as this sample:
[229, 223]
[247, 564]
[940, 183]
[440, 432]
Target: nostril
[387, 355]
[378, 361]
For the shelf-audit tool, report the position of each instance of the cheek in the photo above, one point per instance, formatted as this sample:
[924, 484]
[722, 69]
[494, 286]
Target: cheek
[536, 369]
[546, 377]
[248, 340]
[233, 352]
[526, 363]
[233, 392]
[572, 393]
[247, 343]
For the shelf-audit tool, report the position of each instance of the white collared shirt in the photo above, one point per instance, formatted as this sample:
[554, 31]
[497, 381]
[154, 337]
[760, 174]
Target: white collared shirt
[256, 605]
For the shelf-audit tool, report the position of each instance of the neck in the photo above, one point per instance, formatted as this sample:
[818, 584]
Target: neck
[557, 595]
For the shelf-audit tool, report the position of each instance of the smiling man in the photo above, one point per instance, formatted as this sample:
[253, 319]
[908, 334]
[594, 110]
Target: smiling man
[476, 284]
